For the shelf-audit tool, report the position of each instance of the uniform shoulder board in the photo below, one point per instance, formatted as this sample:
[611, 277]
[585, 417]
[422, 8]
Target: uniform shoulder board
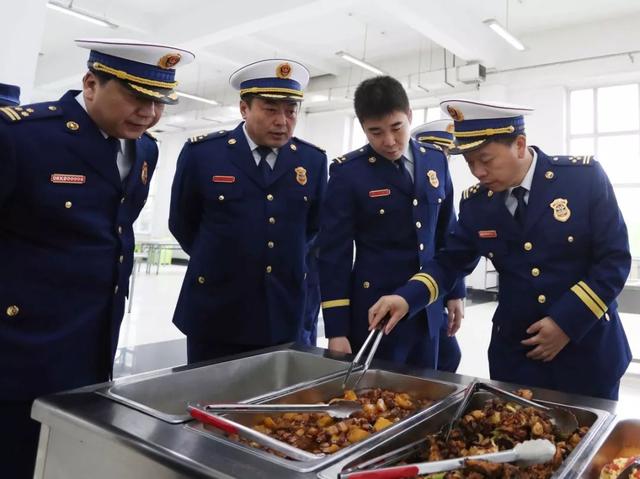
[208, 136]
[473, 191]
[587, 160]
[433, 146]
[304, 142]
[17, 114]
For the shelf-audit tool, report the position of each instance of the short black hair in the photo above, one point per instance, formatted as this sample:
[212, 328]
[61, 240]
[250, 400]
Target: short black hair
[248, 98]
[102, 77]
[506, 140]
[379, 96]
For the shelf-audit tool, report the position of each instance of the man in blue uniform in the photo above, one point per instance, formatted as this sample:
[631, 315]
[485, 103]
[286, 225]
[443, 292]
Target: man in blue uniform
[553, 229]
[74, 175]
[9, 95]
[440, 133]
[244, 206]
[393, 199]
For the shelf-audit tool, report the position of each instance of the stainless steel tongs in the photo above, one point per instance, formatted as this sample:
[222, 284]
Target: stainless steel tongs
[375, 333]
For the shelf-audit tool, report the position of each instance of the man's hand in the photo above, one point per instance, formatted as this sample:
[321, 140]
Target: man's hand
[455, 311]
[394, 305]
[548, 338]
[340, 344]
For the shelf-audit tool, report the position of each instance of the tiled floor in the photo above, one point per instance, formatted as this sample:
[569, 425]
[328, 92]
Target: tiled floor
[155, 296]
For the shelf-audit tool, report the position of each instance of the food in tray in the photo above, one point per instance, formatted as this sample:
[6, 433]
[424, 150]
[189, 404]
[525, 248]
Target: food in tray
[614, 468]
[319, 433]
[498, 426]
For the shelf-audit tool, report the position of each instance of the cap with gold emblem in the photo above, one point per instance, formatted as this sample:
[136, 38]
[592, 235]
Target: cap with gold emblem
[476, 122]
[9, 95]
[273, 78]
[145, 68]
[438, 132]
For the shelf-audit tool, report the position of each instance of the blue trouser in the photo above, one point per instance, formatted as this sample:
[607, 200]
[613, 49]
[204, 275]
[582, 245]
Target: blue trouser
[19, 439]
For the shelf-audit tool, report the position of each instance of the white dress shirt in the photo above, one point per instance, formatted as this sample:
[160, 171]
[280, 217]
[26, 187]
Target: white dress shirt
[511, 201]
[271, 157]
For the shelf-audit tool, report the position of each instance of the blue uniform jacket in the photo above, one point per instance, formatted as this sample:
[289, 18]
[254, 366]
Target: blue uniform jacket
[67, 242]
[570, 262]
[247, 240]
[395, 229]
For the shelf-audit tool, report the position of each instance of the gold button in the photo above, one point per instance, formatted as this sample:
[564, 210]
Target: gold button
[221, 198]
[366, 285]
[418, 225]
[52, 108]
[542, 299]
[122, 200]
[271, 244]
[306, 199]
[119, 230]
[121, 259]
[528, 246]
[381, 212]
[415, 202]
[269, 269]
[115, 290]
[549, 175]
[372, 159]
[270, 197]
[439, 200]
[272, 220]
[73, 126]
[421, 247]
[201, 279]
[535, 272]
[422, 150]
[231, 141]
[68, 204]
[490, 255]
[489, 193]
[12, 311]
[293, 147]
[570, 239]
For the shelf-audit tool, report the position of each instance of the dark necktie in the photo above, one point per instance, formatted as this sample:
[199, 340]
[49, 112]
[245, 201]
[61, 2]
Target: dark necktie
[521, 210]
[264, 151]
[401, 165]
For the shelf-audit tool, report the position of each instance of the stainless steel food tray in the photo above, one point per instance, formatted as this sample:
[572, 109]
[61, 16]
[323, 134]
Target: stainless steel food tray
[431, 423]
[165, 396]
[625, 434]
[439, 391]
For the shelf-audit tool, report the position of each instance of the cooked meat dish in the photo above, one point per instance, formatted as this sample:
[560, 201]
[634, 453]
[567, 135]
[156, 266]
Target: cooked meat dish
[614, 468]
[319, 433]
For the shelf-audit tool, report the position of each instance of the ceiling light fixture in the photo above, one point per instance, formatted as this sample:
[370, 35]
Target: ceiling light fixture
[504, 34]
[196, 98]
[87, 17]
[360, 63]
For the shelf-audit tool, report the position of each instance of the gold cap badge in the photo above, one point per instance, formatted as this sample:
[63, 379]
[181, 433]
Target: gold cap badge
[169, 61]
[433, 178]
[455, 113]
[284, 70]
[561, 211]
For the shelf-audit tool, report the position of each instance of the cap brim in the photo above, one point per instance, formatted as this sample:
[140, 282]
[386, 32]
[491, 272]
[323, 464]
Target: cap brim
[158, 95]
[460, 149]
[277, 96]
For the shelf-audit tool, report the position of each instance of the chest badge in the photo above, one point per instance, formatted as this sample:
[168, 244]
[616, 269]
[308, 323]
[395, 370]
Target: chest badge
[433, 178]
[301, 175]
[144, 174]
[561, 211]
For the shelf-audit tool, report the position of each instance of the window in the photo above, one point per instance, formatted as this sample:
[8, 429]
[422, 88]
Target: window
[605, 122]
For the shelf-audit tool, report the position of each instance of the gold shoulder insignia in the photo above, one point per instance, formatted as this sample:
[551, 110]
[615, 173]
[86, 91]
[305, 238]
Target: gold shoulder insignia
[208, 136]
[10, 114]
[472, 191]
[305, 142]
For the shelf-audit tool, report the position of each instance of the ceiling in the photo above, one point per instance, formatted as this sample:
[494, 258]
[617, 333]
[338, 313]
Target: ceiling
[402, 37]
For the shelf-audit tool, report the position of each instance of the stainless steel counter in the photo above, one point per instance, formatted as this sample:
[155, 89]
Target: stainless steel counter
[87, 435]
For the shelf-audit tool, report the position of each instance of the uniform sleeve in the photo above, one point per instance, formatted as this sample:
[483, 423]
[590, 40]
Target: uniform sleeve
[446, 225]
[588, 299]
[7, 167]
[313, 220]
[457, 259]
[335, 245]
[186, 205]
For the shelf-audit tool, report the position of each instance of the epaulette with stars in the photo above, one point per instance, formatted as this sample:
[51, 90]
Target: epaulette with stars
[305, 142]
[473, 191]
[587, 160]
[37, 111]
[208, 136]
[340, 160]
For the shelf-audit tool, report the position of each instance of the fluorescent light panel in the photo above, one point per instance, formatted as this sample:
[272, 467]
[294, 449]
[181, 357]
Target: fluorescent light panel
[83, 16]
[504, 34]
[196, 98]
[360, 63]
